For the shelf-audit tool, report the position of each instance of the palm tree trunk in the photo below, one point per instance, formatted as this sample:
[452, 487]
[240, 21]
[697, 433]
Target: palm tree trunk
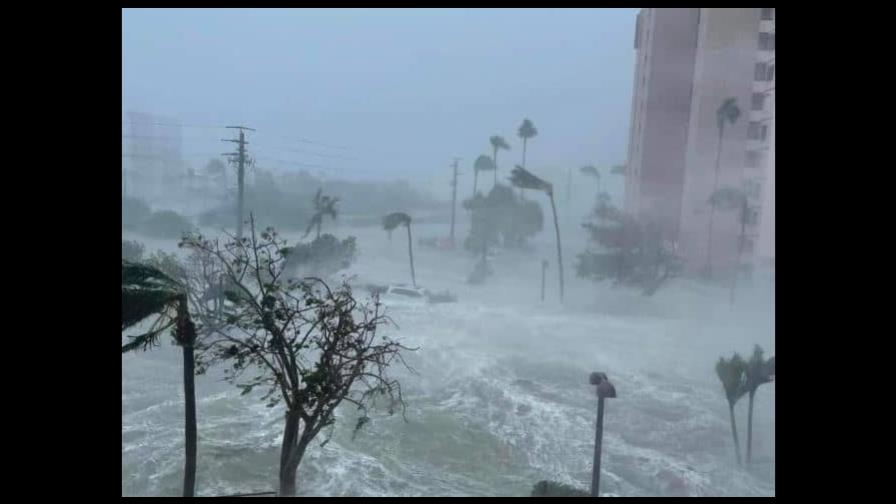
[712, 208]
[495, 159]
[318, 226]
[524, 164]
[734, 432]
[750, 428]
[559, 250]
[189, 421]
[543, 269]
[475, 179]
[411, 255]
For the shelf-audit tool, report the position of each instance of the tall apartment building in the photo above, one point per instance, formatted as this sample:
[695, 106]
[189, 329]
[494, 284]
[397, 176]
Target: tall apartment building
[688, 62]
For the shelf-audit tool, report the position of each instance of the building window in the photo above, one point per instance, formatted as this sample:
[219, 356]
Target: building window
[766, 41]
[760, 72]
[753, 130]
[763, 132]
[768, 14]
[758, 100]
[770, 73]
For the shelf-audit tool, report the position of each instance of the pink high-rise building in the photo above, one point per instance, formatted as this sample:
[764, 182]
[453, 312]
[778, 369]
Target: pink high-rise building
[689, 61]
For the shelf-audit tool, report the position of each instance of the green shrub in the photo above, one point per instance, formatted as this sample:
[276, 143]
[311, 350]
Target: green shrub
[166, 224]
[133, 212]
[132, 250]
[323, 256]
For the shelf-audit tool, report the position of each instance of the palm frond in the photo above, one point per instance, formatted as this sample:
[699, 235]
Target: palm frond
[527, 129]
[393, 220]
[759, 370]
[484, 163]
[590, 170]
[498, 141]
[732, 374]
[520, 177]
[728, 112]
[139, 303]
[618, 170]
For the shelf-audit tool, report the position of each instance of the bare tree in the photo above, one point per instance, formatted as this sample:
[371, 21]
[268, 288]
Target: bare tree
[310, 346]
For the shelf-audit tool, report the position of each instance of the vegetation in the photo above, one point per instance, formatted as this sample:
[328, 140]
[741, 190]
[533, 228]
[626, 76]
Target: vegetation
[132, 250]
[392, 221]
[591, 171]
[625, 251]
[497, 142]
[322, 257]
[758, 371]
[731, 372]
[323, 206]
[728, 112]
[483, 163]
[501, 218]
[148, 292]
[306, 345]
[525, 180]
[166, 224]
[133, 213]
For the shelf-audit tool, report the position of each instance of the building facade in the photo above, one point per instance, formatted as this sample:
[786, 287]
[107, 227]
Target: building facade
[689, 61]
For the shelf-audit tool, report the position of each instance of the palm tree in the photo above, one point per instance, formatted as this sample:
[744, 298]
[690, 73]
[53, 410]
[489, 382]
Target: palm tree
[483, 163]
[758, 372]
[323, 205]
[526, 131]
[728, 112]
[525, 180]
[392, 221]
[497, 142]
[727, 199]
[591, 171]
[618, 169]
[146, 291]
[732, 374]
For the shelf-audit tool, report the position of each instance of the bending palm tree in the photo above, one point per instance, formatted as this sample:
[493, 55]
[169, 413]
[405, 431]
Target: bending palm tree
[526, 131]
[483, 163]
[323, 205]
[497, 142]
[525, 180]
[727, 112]
[758, 372]
[146, 291]
[731, 373]
[392, 221]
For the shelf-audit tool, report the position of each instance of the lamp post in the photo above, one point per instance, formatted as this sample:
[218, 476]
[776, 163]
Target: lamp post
[605, 389]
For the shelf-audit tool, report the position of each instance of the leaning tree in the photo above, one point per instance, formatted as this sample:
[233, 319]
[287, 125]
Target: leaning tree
[392, 221]
[323, 206]
[305, 344]
[521, 178]
[731, 373]
[147, 292]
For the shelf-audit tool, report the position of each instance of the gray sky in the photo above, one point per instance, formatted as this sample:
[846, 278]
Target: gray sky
[404, 90]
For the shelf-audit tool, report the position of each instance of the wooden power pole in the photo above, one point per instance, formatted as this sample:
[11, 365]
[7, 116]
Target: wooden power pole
[241, 174]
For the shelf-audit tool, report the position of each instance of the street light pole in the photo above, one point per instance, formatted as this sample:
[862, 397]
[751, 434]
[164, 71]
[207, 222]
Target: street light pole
[605, 389]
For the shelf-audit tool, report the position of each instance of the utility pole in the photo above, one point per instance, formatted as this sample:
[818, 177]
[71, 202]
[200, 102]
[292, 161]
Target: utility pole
[241, 173]
[453, 198]
[568, 194]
